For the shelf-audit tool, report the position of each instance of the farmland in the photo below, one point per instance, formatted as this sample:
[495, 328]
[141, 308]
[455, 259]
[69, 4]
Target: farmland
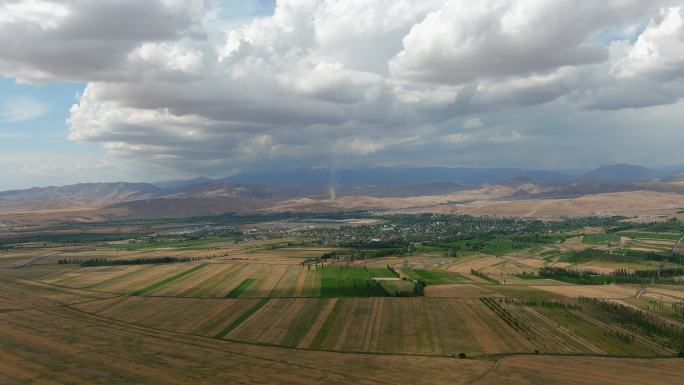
[467, 308]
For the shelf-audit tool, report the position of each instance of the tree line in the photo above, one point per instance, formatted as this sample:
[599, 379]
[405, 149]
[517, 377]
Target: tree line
[590, 277]
[666, 333]
[118, 262]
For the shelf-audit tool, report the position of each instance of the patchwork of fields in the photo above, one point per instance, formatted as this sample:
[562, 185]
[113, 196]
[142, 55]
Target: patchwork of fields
[235, 280]
[432, 326]
[477, 305]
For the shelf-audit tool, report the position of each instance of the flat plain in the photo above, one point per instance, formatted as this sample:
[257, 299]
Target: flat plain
[275, 311]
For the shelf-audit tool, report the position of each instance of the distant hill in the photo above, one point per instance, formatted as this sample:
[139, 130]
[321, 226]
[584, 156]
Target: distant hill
[255, 191]
[182, 182]
[390, 176]
[76, 195]
[623, 172]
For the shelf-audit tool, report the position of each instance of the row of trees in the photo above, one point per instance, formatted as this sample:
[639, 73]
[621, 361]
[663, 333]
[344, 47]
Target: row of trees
[117, 262]
[589, 277]
[668, 334]
[483, 276]
[498, 308]
[625, 256]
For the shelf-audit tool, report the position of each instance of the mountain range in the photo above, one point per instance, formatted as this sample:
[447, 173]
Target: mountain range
[255, 191]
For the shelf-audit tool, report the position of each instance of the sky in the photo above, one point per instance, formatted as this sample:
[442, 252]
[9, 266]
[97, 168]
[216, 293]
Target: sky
[149, 90]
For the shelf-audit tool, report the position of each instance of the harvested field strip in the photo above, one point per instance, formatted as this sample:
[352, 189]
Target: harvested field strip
[339, 330]
[235, 293]
[268, 278]
[188, 281]
[229, 311]
[242, 318]
[538, 370]
[208, 286]
[168, 280]
[416, 325]
[287, 284]
[125, 273]
[373, 336]
[50, 347]
[317, 342]
[317, 324]
[300, 283]
[194, 315]
[306, 320]
[96, 307]
[143, 276]
[61, 294]
[221, 285]
[451, 320]
[270, 324]
[386, 325]
[312, 284]
[353, 332]
[393, 327]
[72, 278]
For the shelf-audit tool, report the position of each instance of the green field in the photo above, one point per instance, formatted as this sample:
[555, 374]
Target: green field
[235, 293]
[665, 236]
[601, 238]
[433, 277]
[397, 287]
[342, 281]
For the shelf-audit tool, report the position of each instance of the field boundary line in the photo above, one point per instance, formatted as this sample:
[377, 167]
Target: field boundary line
[488, 372]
